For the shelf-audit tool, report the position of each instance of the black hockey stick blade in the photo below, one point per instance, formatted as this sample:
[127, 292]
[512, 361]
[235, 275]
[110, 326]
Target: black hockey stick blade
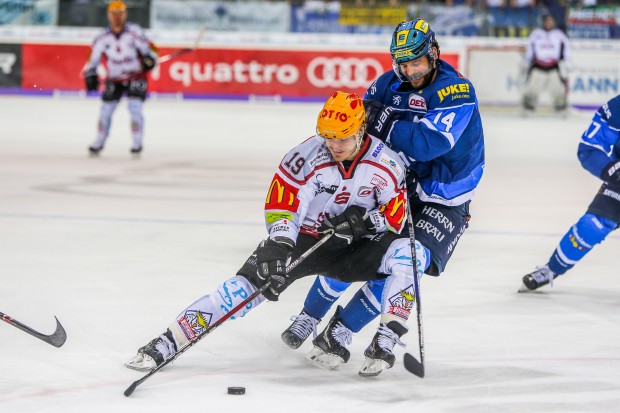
[57, 339]
[413, 365]
[132, 387]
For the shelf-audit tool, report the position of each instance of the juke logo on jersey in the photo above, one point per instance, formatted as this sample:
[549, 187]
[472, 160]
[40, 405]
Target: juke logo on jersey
[457, 91]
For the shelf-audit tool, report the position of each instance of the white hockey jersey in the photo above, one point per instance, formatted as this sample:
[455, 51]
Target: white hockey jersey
[309, 185]
[122, 52]
[546, 49]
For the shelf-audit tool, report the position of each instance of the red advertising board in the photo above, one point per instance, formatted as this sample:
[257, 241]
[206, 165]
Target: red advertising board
[224, 72]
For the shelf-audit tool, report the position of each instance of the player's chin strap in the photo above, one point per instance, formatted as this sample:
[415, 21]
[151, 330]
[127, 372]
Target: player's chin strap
[411, 363]
[327, 235]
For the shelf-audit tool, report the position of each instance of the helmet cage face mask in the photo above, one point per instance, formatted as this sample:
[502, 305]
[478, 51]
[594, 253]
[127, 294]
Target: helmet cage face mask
[404, 77]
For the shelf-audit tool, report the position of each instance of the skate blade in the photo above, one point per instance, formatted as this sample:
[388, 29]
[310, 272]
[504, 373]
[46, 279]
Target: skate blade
[319, 358]
[372, 367]
[523, 289]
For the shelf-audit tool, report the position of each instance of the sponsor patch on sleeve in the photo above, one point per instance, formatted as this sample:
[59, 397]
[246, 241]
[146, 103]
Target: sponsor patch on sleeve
[391, 163]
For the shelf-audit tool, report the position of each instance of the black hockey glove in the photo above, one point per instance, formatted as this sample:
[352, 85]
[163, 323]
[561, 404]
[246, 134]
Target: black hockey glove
[348, 227]
[611, 173]
[92, 83]
[148, 63]
[271, 257]
[379, 119]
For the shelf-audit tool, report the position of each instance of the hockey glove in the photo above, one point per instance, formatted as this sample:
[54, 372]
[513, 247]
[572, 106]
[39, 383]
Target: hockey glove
[379, 119]
[271, 257]
[611, 173]
[348, 227]
[92, 83]
[148, 63]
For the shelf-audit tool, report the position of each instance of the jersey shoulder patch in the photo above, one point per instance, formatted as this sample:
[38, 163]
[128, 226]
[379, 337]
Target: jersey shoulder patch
[392, 163]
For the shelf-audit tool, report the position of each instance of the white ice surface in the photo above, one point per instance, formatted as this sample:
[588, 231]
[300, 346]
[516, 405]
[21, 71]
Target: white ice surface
[116, 247]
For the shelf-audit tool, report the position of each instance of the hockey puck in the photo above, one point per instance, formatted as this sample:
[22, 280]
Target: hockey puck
[236, 390]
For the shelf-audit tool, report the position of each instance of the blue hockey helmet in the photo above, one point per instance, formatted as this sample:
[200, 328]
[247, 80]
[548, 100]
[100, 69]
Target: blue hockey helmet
[411, 40]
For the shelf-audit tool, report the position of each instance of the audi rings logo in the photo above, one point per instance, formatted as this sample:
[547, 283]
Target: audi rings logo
[349, 72]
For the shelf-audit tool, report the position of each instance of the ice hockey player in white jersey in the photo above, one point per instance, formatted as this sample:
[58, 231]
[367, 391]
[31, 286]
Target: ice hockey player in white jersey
[128, 56]
[340, 181]
[599, 153]
[546, 58]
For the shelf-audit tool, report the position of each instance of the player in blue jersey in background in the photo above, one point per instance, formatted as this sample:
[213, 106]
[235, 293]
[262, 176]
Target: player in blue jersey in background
[428, 112]
[599, 153]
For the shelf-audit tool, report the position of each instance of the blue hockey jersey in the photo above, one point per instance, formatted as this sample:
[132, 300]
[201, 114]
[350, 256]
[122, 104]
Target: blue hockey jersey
[600, 143]
[439, 132]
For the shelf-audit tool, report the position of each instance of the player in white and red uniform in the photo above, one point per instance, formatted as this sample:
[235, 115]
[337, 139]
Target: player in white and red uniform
[128, 56]
[546, 57]
[342, 181]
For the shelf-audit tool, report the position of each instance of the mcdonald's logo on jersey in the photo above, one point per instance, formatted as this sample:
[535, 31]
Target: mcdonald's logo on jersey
[394, 212]
[282, 195]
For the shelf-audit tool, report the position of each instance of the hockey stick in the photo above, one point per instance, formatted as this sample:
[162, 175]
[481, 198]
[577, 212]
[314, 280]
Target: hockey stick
[411, 363]
[161, 59]
[181, 52]
[57, 339]
[232, 312]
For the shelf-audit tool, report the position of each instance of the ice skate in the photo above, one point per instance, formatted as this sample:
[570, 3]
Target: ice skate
[379, 354]
[330, 346]
[536, 279]
[303, 324]
[93, 151]
[135, 152]
[154, 353]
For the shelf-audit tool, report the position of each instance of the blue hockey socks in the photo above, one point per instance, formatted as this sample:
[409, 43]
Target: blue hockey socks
[579, 240]
[323, 293]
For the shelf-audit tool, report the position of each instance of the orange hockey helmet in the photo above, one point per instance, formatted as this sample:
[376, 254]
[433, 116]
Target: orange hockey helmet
[342, 115]
[117, 5]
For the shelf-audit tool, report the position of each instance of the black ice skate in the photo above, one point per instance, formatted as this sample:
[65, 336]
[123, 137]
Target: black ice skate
[94, 151]
[299, 331]
[379, 353]
[135, 152]
[538, 278]
[330, 346]
[154, 353]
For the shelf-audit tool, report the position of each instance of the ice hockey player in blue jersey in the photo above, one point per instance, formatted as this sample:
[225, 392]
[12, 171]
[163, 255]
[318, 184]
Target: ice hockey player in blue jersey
[428, 112]
[599, 153]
